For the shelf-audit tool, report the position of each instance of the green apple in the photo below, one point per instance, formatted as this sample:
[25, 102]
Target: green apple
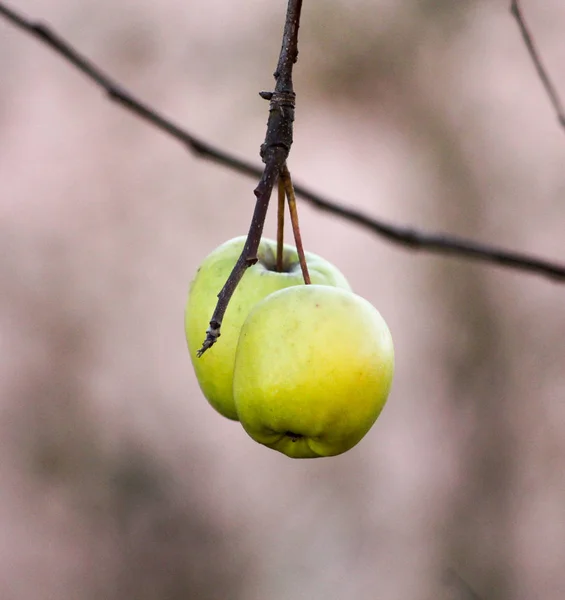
[313, 370]
[214, 369]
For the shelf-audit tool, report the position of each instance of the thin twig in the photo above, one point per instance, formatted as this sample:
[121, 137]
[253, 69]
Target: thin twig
[289, 190]
[117, 93]
[274, 152]
[247, 258]
[438, 243]
[543, 75]
[407, 237]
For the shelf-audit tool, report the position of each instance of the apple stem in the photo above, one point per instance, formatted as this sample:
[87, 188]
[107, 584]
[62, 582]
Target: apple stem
[289, 190]
[280, 225]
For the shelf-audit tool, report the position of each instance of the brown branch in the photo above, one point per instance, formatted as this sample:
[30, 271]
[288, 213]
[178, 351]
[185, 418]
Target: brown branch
[550, 89]
[438, 243]
[407, 237]
[117, 93]
[274, 152]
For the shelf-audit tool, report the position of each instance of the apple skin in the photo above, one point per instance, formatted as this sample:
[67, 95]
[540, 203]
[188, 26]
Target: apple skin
[214, 369]
[313, 370]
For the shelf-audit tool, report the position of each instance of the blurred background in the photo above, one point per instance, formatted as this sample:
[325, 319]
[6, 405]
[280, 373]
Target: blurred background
[117, 480]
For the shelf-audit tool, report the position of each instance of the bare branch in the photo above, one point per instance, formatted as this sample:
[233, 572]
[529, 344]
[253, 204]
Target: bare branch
[438, 243]
[550, 89]
[122, 96]
[404, 236]
[274, 152]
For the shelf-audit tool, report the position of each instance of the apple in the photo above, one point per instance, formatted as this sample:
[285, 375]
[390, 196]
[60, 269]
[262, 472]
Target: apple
[214, 369]
[313, 369]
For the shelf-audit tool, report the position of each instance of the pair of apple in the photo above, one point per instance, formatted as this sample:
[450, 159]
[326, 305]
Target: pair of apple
[306, 369]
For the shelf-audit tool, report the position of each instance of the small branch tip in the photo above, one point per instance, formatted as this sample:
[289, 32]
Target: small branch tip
[212, 335]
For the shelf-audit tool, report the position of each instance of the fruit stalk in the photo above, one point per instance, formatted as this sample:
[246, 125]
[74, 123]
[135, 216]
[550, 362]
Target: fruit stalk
[289, 190]
[280, 225]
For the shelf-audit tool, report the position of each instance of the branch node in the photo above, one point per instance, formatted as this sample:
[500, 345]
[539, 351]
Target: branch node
[212, 335]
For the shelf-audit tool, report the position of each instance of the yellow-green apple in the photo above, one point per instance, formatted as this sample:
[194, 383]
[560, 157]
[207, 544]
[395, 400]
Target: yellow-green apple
[214, 369]
[313, 369]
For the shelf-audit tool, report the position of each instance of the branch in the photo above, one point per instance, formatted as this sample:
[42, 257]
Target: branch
[274, 152]
[403, 236]
[550, 89]
[122, 96]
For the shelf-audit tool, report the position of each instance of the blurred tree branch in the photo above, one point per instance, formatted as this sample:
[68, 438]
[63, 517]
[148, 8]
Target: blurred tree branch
[542, 73]
[405, 236]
